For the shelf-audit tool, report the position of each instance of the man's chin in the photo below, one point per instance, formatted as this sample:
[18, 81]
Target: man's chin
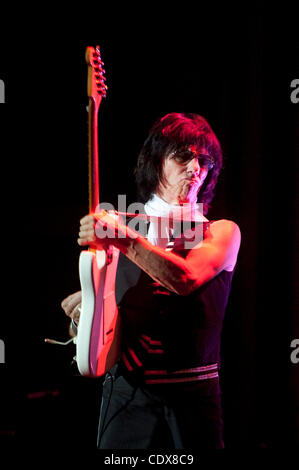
[188, 199]
[189, 196]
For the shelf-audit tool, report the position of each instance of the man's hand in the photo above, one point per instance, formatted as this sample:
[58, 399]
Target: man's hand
[103, 229]
[87, 231]
[71, 306]
[98, 239]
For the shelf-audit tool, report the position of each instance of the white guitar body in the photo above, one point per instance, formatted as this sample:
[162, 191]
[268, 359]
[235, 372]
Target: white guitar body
[97, 342]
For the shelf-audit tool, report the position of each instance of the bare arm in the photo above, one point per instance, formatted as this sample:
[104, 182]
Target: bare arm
[216, 252]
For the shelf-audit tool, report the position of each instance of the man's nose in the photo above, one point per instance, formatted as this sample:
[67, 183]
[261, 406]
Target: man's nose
[194, 166]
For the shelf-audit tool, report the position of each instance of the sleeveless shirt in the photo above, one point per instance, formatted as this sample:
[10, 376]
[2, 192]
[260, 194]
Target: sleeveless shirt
[164, 332]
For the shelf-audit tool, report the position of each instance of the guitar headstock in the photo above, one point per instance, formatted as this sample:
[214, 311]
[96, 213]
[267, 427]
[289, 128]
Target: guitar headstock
[96, 87]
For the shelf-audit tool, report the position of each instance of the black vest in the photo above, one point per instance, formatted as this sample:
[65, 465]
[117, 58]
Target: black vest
[188, 326]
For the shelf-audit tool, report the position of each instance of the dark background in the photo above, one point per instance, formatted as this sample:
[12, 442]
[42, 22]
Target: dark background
[239, 79]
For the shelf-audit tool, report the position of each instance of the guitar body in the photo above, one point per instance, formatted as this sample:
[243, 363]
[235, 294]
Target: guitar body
[97, 341]
[99, 327]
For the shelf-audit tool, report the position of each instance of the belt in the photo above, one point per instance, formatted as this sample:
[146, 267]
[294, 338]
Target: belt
[151, 377]
[192, 374]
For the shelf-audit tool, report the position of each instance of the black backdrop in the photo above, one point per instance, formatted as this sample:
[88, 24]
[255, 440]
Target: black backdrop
[240, 81]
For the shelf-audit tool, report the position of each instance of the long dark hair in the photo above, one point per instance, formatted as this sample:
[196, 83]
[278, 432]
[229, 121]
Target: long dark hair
[174, 133]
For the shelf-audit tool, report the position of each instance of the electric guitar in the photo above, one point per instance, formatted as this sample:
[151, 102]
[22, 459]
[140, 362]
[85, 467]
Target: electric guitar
[97, 341]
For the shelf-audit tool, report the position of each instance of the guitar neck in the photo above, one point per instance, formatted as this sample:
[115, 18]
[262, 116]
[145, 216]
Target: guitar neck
[96, 90]
[93, 156]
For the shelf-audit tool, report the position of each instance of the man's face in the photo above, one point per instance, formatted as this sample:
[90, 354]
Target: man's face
[183, 180]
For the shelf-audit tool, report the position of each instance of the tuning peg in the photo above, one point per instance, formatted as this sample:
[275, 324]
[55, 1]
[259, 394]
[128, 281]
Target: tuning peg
[98, 68]
[103, 90]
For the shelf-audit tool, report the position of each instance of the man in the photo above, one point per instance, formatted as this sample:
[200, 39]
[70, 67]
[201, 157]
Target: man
[172, 289]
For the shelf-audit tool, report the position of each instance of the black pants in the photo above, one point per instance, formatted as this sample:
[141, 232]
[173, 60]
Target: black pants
[172, 416]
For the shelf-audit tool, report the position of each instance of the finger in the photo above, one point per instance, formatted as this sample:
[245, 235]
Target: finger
[83, 242]
[70, 303]
[87, 240]
[75, 313]
[65, 302]
[77, 296]
[88, 234]
[87, 223]
[87, 219]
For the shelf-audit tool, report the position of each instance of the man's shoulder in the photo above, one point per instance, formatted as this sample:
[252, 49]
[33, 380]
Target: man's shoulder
[224, 227]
